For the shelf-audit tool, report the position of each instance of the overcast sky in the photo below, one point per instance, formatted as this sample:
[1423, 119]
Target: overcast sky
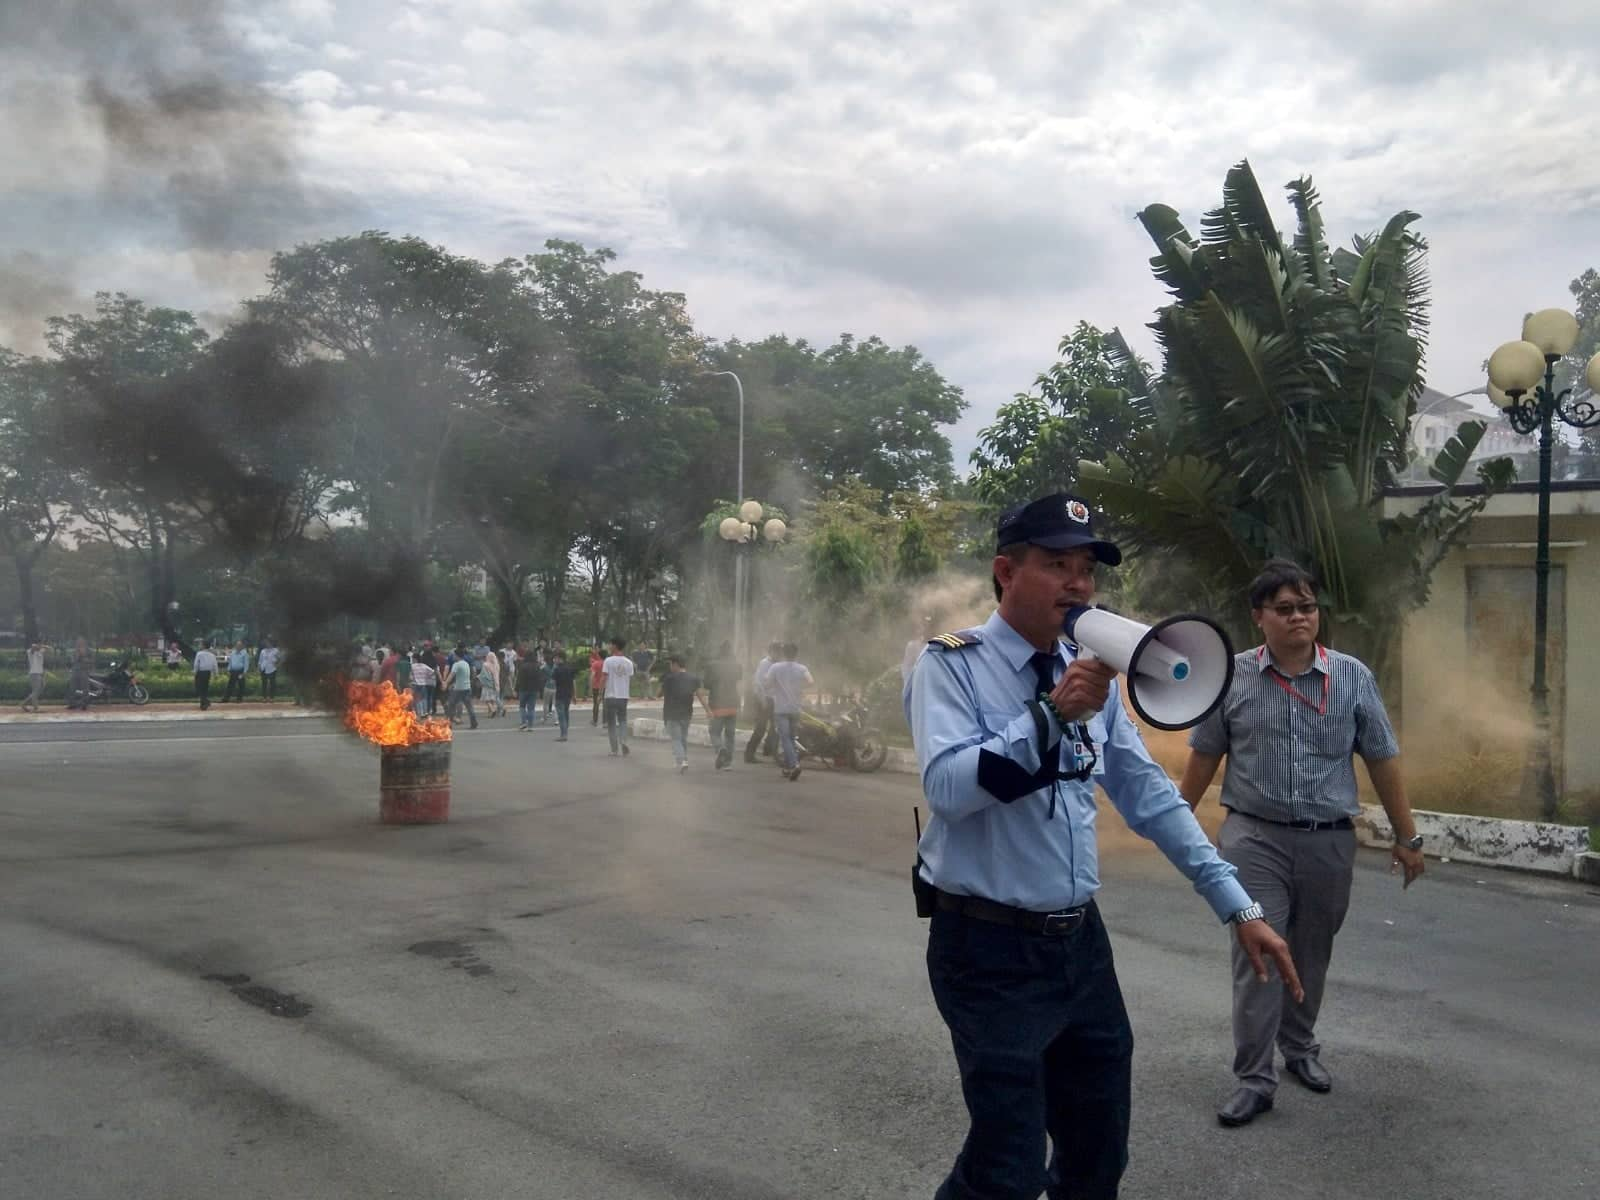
[958, 174]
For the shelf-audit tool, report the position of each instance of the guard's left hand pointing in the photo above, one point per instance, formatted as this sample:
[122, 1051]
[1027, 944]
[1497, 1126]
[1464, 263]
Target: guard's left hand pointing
[1261, 942]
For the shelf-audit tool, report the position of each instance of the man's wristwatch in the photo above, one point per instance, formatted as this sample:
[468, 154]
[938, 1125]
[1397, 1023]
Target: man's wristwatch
[1254, 913]
[1412, 843]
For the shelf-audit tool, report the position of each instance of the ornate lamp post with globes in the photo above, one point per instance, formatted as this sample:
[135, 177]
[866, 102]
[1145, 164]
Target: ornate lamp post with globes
[744, 531]
[1522, 381]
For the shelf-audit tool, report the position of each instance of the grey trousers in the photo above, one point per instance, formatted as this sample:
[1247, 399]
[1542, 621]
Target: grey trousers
[1302, 880]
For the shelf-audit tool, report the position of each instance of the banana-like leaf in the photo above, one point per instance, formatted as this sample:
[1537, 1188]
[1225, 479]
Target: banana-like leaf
[1177, 263]
[1451, 462]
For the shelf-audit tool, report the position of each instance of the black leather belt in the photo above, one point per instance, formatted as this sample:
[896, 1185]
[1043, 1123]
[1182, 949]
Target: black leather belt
[1055, 924]
[1306, 826]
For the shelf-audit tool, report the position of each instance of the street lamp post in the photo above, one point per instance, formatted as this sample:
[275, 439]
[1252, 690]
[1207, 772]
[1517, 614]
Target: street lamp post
[744, 531]
[1522, 381]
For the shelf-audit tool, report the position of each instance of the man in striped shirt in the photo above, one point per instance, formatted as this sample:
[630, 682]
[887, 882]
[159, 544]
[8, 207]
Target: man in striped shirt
[1293, 718]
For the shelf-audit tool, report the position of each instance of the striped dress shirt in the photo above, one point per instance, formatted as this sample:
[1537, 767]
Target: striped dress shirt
[1286, 760]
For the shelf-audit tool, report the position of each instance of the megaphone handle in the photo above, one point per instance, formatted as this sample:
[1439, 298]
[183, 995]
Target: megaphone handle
[1087, 655]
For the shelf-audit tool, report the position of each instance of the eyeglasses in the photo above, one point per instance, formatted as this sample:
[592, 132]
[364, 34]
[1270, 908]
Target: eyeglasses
[1309, 609]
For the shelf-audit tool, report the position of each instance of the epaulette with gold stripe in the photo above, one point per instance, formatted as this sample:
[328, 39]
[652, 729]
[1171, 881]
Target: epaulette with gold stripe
[955, 641]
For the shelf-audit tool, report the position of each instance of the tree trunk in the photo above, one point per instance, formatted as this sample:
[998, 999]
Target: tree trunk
[25, 597]
[509, 601]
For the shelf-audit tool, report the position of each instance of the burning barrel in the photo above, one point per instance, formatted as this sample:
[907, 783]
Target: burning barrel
[414, 784]
[414, 754]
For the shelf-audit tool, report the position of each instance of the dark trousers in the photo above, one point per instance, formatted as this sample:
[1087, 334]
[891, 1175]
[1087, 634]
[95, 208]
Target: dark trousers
[617, 723]
[598, 696]
[765, 734]
[235, 687]
[460, 698]
[1045, 1050]
[269, 685]
[564, 714]
[202, 688]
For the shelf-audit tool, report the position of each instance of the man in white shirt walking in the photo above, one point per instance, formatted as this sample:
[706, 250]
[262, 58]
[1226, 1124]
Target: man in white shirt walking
[786, 683]
[35, 677]
[618, 670]
[205, 666]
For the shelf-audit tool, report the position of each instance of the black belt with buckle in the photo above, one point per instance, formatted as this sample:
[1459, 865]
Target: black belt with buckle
[1307, 826]
[1055, 924]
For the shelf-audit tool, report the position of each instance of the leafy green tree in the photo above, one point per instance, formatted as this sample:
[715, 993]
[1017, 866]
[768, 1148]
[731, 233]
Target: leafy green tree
[1085, 406]
[124, 427]
[857, 410]
[35, 490]
[1290, 377]
[915, 557]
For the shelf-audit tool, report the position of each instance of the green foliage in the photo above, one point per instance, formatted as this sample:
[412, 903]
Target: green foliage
[1085, 406]
[388, 412]
[1290, 375]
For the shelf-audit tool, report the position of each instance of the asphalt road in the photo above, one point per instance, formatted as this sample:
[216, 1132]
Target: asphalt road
[601, 979]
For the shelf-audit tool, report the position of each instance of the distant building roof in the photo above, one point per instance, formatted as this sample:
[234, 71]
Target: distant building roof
[1436, 404]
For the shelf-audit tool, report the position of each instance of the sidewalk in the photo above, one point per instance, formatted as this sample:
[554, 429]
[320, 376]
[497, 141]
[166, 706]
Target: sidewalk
[159, 710]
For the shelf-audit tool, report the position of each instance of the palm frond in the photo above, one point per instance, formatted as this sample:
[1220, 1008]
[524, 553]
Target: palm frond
[1310, 239]
[1177, 262]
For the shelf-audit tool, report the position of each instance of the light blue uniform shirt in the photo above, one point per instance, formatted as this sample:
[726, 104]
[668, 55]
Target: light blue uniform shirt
[1037, 852]
[239, 660]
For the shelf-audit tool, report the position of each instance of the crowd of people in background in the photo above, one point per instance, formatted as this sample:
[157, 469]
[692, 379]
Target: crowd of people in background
[539, 681]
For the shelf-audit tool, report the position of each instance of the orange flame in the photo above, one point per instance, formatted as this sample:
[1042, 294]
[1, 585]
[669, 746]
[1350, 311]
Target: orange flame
[387, 717]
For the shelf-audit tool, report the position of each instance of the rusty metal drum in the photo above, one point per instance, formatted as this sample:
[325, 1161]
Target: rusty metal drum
[414, 784]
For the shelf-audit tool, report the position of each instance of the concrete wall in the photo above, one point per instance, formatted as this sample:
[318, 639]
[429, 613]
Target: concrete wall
[1456, 709]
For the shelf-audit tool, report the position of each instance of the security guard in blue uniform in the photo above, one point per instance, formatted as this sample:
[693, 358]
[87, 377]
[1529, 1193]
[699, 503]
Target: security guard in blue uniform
[1013, 730]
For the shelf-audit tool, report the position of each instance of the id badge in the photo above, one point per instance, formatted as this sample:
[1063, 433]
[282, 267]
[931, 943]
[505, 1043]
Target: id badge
[1082, 751]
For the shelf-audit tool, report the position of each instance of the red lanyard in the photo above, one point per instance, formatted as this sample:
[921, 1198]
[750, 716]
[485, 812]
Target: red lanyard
[1279, 679]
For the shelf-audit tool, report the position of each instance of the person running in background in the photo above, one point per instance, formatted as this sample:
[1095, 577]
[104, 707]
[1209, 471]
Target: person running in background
[597, 680]
[722, 684]
[489, 686]
[389, 667]
[402, 670]
[508, 672]
[550, 685]
[238, 664]
[267, 663]
[563, 674]
[530, 686]
[491, 660]
[460, 694]
[678, 690]
[787, 681]
[766, 730]
[205, 666]
[618, 670]
[423, 680]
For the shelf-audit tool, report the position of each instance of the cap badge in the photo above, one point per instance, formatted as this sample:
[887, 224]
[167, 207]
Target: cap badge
[1078, 511]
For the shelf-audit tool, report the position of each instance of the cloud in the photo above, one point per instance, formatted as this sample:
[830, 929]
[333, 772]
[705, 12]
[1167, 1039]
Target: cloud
[951, 173]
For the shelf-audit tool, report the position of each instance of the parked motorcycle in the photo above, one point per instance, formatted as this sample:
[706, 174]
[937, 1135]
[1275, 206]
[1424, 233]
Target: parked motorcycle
[845, 740]
[119, 683]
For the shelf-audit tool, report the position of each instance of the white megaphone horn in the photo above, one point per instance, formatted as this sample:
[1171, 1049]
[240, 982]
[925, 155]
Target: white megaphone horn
[1178, 670]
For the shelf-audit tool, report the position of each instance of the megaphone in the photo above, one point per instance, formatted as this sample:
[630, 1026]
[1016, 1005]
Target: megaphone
[1178, 670]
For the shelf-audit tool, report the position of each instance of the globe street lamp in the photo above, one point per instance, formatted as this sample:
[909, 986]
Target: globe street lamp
[744, 531]
[1522, 381]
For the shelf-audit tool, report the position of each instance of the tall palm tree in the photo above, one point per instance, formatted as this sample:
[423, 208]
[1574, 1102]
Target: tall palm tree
[1290, 376]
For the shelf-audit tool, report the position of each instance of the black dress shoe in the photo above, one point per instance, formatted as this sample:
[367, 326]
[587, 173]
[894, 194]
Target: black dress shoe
[1311, 1073]
[1244, 1106]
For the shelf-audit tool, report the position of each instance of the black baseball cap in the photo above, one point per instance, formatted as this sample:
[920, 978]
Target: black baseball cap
[1058, 522]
